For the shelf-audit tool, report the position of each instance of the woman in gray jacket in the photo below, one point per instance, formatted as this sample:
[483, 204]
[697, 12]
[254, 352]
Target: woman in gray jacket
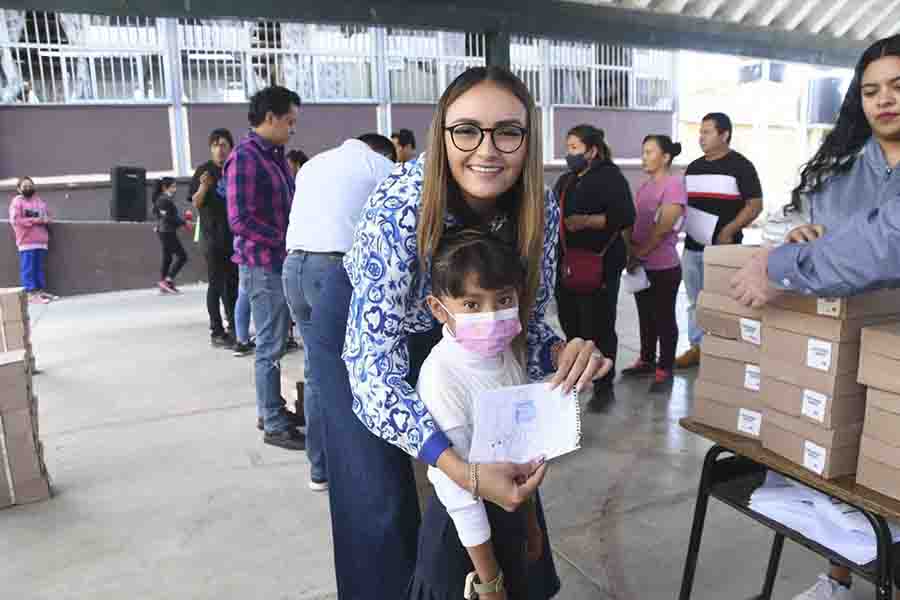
[850, 192]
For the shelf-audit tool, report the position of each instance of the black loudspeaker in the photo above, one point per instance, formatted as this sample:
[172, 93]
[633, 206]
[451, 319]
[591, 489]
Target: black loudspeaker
[825, 99]
[129, 194]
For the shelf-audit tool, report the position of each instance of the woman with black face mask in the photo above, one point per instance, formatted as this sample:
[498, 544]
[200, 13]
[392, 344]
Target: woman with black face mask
[598, 212]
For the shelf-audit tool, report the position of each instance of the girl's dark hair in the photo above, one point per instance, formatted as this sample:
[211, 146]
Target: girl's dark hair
[496, 264]
[221, 134]
[592, 137]
[161, 184]
[665, 144]
[840, 147]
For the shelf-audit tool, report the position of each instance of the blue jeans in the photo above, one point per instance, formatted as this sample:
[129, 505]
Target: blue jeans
[31, 269]
[270, 313]
[303, 277]
[692, 271]
[242, 316]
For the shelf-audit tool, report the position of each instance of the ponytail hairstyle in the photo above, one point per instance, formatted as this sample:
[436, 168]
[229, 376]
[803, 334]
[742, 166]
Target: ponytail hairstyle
[851, 131]
[665, 144]
[161, 184]
[592, 137]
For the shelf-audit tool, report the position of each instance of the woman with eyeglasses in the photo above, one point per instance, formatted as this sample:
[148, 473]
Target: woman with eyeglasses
[484, 170]
[598, 212]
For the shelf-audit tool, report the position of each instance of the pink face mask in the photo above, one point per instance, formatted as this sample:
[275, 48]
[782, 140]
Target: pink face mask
[486, 334]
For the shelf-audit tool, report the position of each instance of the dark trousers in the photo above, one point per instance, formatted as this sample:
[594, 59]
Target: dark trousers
[223, 287]
[173, 255]
[656, 310]
[593, 316]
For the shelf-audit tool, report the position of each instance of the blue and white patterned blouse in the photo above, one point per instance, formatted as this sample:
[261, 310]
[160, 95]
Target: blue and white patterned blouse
[388, 305]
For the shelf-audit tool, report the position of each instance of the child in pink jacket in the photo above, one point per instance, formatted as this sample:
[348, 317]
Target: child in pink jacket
[29, 217]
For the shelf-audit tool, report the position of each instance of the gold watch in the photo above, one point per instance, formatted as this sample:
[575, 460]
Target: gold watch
[474, 588]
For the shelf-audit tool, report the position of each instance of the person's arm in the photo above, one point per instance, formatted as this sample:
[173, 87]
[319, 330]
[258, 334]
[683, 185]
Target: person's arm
[240, 174]
[862, 255]
[200, 184]
[543, 343]
[750, 189]
[17, 215]
[668, 217]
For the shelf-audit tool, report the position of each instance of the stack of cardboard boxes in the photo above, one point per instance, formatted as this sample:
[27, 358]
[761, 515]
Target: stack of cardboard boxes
[23, 475]
[727, 392]
[879, 369]
[814, 407]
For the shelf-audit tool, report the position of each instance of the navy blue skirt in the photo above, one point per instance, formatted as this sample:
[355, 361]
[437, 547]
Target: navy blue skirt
[443, 562]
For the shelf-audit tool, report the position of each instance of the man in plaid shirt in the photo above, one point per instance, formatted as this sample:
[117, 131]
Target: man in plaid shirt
[259, 189]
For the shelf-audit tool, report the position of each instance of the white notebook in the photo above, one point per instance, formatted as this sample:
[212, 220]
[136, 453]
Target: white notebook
[521, 423]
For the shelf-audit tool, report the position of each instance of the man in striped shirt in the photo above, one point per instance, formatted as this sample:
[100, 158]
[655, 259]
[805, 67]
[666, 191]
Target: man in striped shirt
[722, 183]
[259, 190]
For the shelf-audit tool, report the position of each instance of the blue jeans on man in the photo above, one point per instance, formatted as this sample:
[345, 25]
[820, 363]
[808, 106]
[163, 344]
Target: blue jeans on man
[303, 277]
[692, 272]
[270, 314]
[31, 269]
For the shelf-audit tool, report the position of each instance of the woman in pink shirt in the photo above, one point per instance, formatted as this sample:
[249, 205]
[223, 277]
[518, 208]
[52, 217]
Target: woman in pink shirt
[29, 217]
[660, 206]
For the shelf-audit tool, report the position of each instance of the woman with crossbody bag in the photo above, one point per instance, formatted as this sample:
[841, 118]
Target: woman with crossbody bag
[598, 212]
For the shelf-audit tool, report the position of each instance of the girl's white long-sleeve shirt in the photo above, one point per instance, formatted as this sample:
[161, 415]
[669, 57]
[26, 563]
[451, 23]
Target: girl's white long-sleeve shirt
[448, 382]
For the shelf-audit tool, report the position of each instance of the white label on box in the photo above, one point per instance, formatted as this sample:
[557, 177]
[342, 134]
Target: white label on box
[814, 405]
[829, 307]
[752, 377]
[814, 457]
[818, 354]
[749, 422]
[751, 331]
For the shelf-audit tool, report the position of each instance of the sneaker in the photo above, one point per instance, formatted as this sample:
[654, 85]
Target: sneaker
[221, 340]
[318, 486]
[37, 299]
[289, 439]
[638, 369]
[826, 589]
[662, 382]
[48, 296]
[165, 287]
[689, 359]
[172, 286]
[243, 349]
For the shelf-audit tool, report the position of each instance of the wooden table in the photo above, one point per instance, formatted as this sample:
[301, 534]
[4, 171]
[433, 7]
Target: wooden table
[735, 466]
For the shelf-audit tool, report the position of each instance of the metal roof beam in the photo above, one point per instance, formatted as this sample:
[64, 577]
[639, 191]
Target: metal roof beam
[777, 7]
[827, 17]
[890, 14]
[841, 26]
[742, 9]
[796, 17]
[557, 19]
[670, 6]
[706, 8]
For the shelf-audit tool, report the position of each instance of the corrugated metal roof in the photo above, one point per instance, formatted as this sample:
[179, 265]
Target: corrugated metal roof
[851, 20]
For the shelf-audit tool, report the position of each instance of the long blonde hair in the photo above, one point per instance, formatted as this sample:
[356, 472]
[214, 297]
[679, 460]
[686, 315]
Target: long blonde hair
[528, 190]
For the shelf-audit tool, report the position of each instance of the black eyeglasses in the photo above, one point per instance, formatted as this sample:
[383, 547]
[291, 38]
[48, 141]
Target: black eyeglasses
[468, 137]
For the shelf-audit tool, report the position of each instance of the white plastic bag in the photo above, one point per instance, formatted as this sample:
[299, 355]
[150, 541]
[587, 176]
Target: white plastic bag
[635, 281]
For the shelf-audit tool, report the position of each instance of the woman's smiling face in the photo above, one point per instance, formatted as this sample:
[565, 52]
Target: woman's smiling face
[485, 173]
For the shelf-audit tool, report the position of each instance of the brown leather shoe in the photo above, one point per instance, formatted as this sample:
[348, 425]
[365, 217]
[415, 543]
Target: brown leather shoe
[689, 359]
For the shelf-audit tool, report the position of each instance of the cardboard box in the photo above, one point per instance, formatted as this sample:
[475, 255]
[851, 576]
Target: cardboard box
[878, 303]
[882, 425]
[834, 358]
[824, 383]
[824, 328]
[13, 305]
[720, 263]
[726, 394]
[35, 490]
[742, 421]
[879, 363]
[883, 400]
[22, 448]
[730, 373]
[731, 349]
[14, 336]
[831, 412]
[6, 488]
[720, 315]
[828, 453]
[878, 476]
[15, 382]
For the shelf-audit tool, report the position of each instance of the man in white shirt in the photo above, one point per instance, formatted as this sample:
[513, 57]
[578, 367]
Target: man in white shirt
[330, 192]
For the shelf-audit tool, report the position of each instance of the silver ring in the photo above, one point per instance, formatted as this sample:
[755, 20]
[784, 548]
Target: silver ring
[598, 355]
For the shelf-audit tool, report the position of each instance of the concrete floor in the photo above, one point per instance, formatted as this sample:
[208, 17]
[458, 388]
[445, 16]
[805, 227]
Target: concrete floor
[165, 490]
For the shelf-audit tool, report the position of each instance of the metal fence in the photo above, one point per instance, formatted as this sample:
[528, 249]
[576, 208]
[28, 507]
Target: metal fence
[69, 58]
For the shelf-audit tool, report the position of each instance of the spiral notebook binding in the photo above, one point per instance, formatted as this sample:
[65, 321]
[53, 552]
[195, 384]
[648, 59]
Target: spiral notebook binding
[577, 420]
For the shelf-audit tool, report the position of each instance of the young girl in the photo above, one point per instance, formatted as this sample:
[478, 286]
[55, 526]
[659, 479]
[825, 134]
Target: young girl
[29, 217]
[168, 220]
[476, 284]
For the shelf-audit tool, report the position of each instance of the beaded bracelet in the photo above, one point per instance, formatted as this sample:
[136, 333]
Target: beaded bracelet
[473, 477]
